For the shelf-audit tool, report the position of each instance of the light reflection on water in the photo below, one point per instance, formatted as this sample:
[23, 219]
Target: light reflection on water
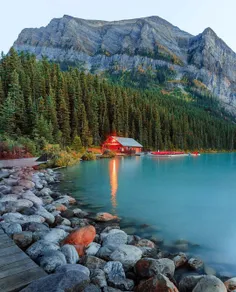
[192, 198]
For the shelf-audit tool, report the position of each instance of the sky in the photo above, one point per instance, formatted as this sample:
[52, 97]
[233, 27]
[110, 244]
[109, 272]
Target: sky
[189, 15]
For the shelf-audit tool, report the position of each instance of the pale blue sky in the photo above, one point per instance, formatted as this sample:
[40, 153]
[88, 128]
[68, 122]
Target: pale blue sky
[189, 15]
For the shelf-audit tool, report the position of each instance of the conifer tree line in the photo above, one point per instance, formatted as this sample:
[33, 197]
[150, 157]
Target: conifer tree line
[40, 101]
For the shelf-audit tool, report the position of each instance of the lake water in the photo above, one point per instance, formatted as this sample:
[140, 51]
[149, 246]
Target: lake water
[191, 198]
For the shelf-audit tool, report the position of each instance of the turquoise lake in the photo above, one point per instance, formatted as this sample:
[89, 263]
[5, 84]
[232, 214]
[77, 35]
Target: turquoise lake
[190, 198]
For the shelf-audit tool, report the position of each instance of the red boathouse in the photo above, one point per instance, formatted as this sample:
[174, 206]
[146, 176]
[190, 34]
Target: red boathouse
[122, 145]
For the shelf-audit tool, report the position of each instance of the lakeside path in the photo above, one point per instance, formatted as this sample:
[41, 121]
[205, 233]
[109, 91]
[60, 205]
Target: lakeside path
[16, 268]
[19, 162]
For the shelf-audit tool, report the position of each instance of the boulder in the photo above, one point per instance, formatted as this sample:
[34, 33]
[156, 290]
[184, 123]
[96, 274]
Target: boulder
[32, 197]
[104, 217]
[56, 235]
[58, 282]
[51, 260]
[210, 284]
[37, 235]
[147, 267]
[116, 276]
[105, 251]
[21, 219]
[81, 237]
[27, 184]
[70, 254]
[115, 238]
[11, 228]
[158, 283]
[34, 227]
[180, 260]
[188, 283]
[10, 181]
[65, 228]
[72, 268]
[9, 198]
[65, 200]
[17, 189]
[145, 243]
[195, 264]
[98, 278]
[23, 239]
[92, 262]
[45, 192]
[38, 248]
[79, 213]
[231, 284]
[76, 222]
[92, 248]
[47, 200]
[41, 211]
[128, 255]
[91, 288]
[67, 214]
[5, 190]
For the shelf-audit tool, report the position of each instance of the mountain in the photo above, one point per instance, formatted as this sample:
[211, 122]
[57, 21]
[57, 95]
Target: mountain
[149, 43]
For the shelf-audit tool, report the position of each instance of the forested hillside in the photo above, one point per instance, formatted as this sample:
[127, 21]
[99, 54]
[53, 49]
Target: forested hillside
[42, 103]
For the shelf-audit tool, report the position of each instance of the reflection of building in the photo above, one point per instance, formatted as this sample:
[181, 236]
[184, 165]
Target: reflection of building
[113, 173]
[122, 145]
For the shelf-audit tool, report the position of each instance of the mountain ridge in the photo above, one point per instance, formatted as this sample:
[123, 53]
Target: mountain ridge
[149, 42]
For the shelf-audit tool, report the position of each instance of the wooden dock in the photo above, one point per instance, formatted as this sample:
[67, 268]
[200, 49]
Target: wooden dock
[17, 270]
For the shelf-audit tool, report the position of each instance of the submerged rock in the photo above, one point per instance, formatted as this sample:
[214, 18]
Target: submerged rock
[195, 264]
[103, 217]
[180, 260]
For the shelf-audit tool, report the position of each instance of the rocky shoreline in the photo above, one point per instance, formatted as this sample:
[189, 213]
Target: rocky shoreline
[85, 252]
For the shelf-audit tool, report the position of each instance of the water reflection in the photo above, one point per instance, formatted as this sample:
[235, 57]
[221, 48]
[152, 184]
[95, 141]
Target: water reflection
[113, 173]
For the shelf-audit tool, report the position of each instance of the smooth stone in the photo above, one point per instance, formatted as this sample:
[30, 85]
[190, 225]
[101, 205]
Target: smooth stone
[110, 230]
[72, 268]
[56, 235]
[92, 262]
[58, 282]
[128, 255]
[41, 211]
[23, 239]
[11, 228]
[5, 190]
[158, 283]
[38, 248]
[37, 235]
[65, 228]
[70, 254]
[98, 278]
[116, 278]
[47, 200]
[26, 184]
[67, 200]
[104, 217]
[145, 243]
[10, 182]
[65, 222]
[45, 192]
[51, 260]
[67, 214]
[79, 213]
[115, 238]
[148, 267]
[29, 195]
[231, 284]
[35, 227]
[9, 198]
[92, 288]
[76, 222]
[210, 284]
[148, 252]
[17, 190]
[105, 251]
[195, 264]
[180, 260]
[21, 219]
[93, 248]
[188, 283]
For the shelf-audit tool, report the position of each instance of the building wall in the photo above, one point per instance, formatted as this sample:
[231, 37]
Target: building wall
[115, 146]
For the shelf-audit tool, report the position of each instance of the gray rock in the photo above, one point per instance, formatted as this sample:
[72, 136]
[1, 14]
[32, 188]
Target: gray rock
[56, 235]
[51, 260]
[38, 248]
[115, 238]
[210, 284]
[5, 189]
[21, 219]
[72, 268]
[105, 251]
[180, 260]
[9, 198]
[128, 255]
[188, 283]
[98, 278]
[35, 227]
[17, 189]
[91, 288]
[27, 184]
[41, 211]
[116, 276]
[32, 197]
[65, 228]
[10, 182]
[92, 262]
[11, 228]
[231, 284]
[70, 254]
[45, 192]
[65, 200]
[58, 282]
[93, 248]
[79, 213]
[23, 239]
[195, 264]
[37, 235]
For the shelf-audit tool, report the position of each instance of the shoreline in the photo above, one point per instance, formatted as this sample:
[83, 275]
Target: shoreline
[59, 236]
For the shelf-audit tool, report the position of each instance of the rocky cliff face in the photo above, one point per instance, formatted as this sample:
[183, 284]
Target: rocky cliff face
[127, 44]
